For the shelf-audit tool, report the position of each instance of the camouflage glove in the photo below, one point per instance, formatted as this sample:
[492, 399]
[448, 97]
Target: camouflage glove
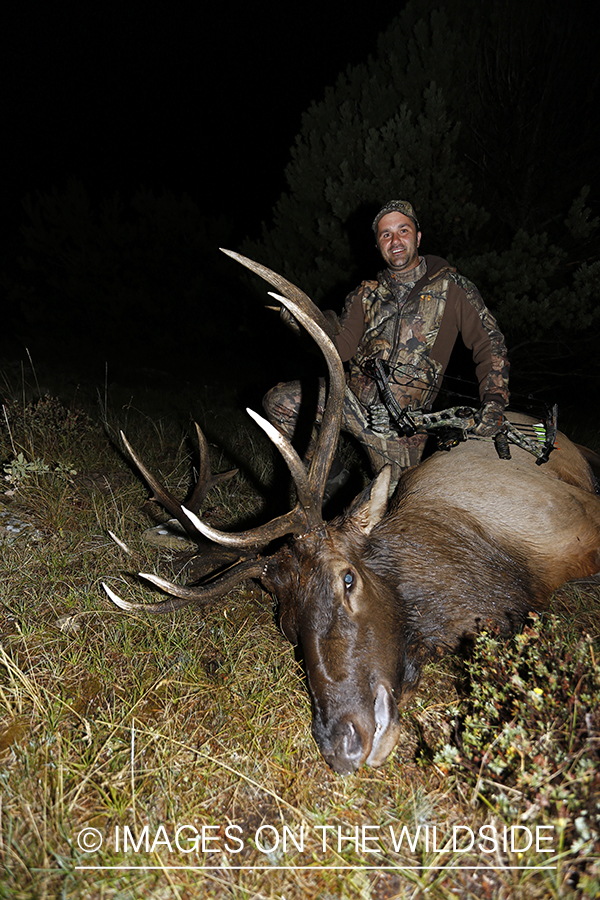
[288, 319]
[489, 419]
[333, 325]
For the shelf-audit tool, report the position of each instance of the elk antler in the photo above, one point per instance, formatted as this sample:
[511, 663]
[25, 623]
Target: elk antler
[311, 317]
[206, 481]
[199, 595]
[310, 485]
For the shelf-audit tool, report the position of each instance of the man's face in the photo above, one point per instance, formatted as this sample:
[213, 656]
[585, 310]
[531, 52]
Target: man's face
[398, 241]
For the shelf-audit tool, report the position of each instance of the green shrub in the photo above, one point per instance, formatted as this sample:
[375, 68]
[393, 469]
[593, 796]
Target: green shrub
[528, 737]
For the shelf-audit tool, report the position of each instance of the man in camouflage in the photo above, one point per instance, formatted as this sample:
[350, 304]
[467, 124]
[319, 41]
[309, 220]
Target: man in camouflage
[410, 317]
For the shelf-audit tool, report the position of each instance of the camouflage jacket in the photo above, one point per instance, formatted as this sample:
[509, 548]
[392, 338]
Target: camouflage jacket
[414, 325]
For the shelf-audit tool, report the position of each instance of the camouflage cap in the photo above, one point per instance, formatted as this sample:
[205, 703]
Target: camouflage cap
[401, 206]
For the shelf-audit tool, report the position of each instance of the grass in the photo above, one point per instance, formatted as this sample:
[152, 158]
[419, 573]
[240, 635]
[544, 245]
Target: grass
[137, 726]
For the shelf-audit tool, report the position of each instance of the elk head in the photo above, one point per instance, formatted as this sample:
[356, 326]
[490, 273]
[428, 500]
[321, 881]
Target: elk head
[326, 594]
[323, 584]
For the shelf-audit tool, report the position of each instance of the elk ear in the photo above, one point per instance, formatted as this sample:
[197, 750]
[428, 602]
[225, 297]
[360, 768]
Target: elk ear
[370, 507]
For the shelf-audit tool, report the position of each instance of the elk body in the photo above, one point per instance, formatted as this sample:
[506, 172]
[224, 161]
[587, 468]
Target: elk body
[467, 541]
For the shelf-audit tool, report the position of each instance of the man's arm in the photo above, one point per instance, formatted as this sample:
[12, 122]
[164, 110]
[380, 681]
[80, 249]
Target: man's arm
[352, 322]
[482, 336]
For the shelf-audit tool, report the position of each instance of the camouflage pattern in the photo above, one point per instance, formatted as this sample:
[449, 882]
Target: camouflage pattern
[400, 326]
[402, 314]
[282, 407]
[401, 206]
[489, 419]
[382, 447]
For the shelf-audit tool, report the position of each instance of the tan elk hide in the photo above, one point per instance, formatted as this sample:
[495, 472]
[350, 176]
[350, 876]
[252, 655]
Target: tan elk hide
[468, 541]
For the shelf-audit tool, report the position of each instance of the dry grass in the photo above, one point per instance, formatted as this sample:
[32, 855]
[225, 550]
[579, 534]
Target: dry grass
[137, 726]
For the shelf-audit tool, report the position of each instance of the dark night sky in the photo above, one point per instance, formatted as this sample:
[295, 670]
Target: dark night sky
[197, 99]
[206, 102]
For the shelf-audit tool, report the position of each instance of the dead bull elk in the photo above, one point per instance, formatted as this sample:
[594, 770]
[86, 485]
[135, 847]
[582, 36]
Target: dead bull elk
[467, 541]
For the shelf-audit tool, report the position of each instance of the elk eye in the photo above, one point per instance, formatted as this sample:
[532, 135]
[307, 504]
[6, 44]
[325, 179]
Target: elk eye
[348, 581]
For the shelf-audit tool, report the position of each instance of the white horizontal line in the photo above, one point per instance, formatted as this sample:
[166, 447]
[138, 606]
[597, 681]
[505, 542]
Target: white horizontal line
[317, 867]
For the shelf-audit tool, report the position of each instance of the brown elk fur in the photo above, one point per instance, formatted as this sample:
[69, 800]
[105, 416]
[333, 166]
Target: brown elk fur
[469, 540]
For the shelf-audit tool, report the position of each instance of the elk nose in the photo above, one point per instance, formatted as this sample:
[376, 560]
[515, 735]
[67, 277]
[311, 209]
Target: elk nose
[348, 748]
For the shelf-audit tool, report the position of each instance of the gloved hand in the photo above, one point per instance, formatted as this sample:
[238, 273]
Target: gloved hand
[489, 419]
[288, 319]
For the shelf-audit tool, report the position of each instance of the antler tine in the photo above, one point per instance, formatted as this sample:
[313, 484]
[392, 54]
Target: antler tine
[199, 595]
[307, 512]
[284, 286]
[161, 494]
[206, 480]
[294, 463]
[295, 521]
[332, 416]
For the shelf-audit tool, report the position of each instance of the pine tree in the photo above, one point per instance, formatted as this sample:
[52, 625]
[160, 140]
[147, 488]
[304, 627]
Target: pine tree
[456, 112]
[364, 142]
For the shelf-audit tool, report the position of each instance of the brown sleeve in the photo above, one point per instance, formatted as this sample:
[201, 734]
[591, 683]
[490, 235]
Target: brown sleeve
[352, 322]
[467, 314]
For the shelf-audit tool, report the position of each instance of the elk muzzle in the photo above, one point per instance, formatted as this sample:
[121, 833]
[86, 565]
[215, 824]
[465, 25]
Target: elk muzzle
[366, 732]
